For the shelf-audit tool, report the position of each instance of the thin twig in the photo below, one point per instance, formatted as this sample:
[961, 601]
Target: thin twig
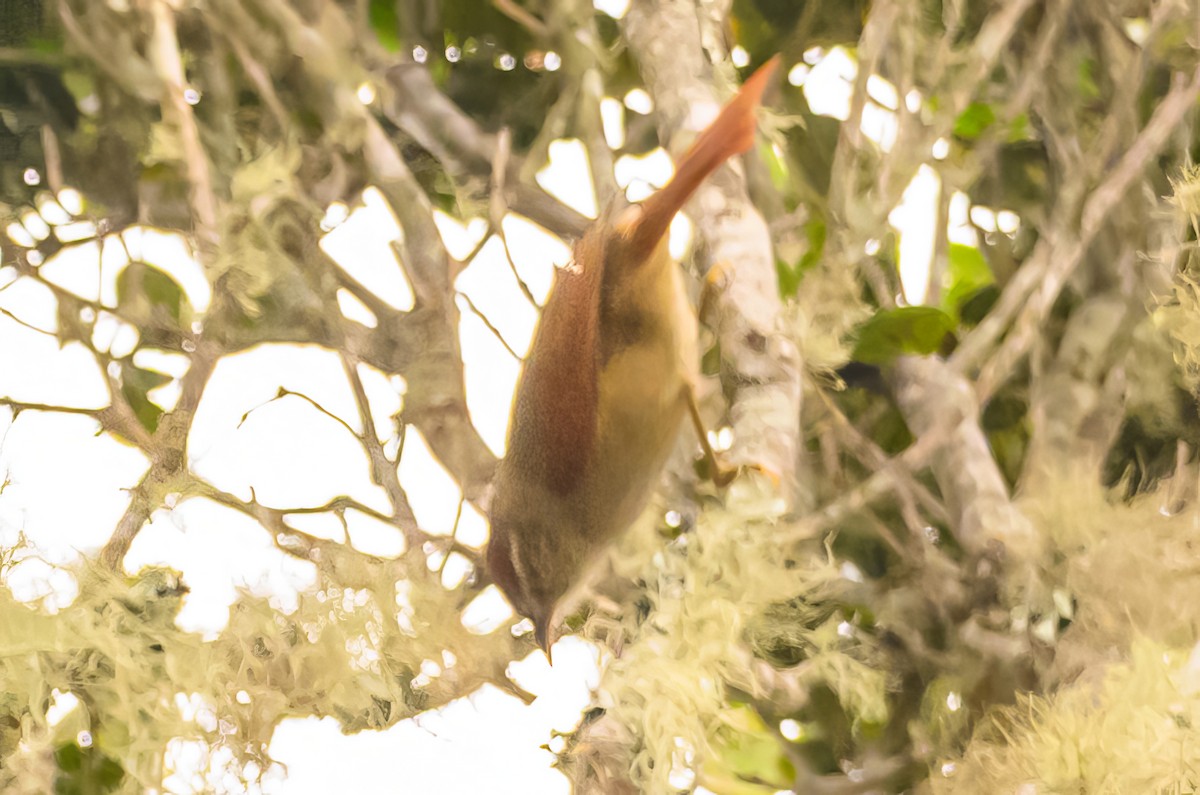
[20, 56]
[885, 479]
[27, 325]
[129, 71]
[261, 80]
[453, 537]
[490, 327]
[383, 470]
[522, 17]
[498, 207]
[19, 405]
[986, 336]
[1057, 256]
[879, 26]
[284, 392]
[909, 489]
[52, 158]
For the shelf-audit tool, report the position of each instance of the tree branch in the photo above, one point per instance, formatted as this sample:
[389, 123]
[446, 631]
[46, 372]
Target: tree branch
[466, 151]
[937, 401]
[1028, 298]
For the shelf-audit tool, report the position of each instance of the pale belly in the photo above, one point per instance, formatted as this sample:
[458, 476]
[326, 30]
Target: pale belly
[643, 400]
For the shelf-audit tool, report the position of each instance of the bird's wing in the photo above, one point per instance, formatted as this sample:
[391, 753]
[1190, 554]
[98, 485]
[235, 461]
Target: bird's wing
[561, 374]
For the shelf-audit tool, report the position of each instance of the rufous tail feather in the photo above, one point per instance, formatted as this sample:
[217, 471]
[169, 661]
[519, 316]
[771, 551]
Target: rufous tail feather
[732, 133]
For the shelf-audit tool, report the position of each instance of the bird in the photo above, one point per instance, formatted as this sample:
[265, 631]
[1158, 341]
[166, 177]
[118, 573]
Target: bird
[609, 376]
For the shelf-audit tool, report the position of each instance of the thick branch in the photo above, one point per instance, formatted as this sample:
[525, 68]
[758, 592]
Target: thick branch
[167, 61]
[421, 344]
[937, 401]
[436, 402]
[167, 450]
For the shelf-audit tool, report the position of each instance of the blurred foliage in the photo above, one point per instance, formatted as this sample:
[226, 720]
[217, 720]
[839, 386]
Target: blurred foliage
[908, 330]
[1115, 723]
[141, 681]
[790, 276]
[1092, 736]
[968, 273]
[85, 771]
[787, 26]
[1180, 315]
[1006, 421]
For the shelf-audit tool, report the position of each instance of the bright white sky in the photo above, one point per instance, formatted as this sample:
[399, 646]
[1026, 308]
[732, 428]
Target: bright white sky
[66, 484]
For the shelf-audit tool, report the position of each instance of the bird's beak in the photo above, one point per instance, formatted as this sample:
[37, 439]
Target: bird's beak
[545, 637]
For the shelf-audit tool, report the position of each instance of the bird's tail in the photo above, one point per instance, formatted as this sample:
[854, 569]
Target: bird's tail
[732, 133]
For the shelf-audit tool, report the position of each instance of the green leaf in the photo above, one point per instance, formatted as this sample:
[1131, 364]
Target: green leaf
[976, 305]
[749, 759]
[908, 330]
[1089, 90]
[1009, 447]
[85, 771]
[710, 362]
[80, 84]
[974, 120]
[1020, 129]
[966, 273]
[790, 276]
[1004, 411]
[135, 384]
[777, 166]
[69, 758]
[147, 293]
[163, 291]
[386, 23]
